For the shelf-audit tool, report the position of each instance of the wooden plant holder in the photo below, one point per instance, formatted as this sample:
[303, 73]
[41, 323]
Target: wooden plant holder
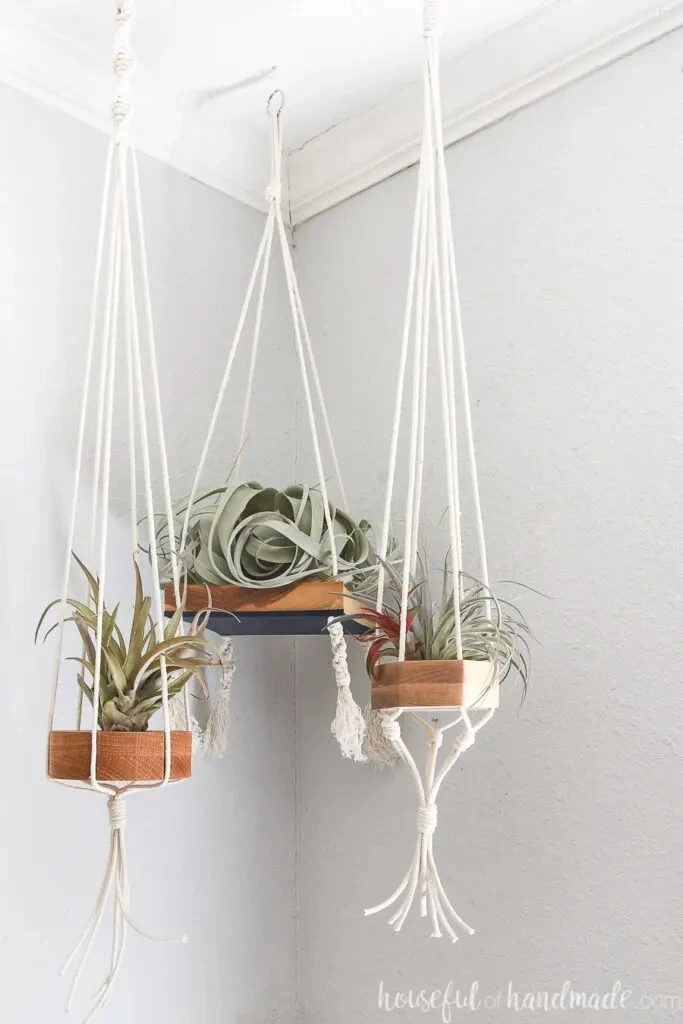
[435, 684]
[300, 609]
[121, 756]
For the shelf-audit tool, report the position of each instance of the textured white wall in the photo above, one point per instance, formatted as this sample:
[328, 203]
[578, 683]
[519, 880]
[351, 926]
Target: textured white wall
[560, 833]
[201, 854]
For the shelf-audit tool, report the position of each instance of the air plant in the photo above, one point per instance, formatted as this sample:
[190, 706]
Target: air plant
[131, 670]
[253, 536]
[492, 629]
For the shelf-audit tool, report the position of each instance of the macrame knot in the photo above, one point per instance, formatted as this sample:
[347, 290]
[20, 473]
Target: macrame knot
[464, 739]
[117, 812]
[120, 113]
[391, 729]
[427, 819]
[124, 62]
[274, 192]
[430, 17]
[124, 10]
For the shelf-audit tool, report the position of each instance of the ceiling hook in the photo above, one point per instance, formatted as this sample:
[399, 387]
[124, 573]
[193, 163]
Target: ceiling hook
[276, 102]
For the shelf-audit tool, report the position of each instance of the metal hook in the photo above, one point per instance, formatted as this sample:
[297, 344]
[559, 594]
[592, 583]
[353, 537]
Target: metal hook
[271, 108]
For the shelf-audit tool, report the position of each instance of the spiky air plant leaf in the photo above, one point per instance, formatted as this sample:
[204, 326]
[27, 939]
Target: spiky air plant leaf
[492, 629]
[130, 673]
[254, 536]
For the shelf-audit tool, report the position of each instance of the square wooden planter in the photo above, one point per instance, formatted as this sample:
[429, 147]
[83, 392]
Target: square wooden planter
[121, 756]
[299, 610]
[435, 684]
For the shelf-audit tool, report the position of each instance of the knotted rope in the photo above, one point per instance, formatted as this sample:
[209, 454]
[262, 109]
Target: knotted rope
[124, 62]
[348, 726]
[116, 879]
[121, 317]
[422, 873]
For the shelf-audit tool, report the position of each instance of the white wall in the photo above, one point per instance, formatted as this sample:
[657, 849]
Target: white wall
[201, 854]
[560, 835]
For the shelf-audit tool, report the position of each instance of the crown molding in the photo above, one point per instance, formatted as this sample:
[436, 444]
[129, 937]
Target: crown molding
[562, 42]
[54, 69]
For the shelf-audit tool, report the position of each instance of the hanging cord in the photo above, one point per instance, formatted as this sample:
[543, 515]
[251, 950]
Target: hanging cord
[215, 736]
[116, 879]
[422, 874]
[120, 314]
[432, 311]
[305, 353]
[348, 725]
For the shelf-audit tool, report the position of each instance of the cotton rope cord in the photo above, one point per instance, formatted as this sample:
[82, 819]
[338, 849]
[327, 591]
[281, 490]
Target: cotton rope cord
[432, 313]
[304, 348]
[348, 725]
[114, 310]
[422, 874]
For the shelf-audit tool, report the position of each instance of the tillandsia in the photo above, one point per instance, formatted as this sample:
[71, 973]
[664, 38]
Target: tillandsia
[492, 628]
[254, 536]
[131, 669]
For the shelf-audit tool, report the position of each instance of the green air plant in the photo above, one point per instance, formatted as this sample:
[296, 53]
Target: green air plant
[253, 536]
[130, 673]
[492, 629]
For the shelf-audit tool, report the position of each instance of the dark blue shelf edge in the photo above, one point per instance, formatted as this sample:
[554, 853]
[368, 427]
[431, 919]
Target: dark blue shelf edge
[272, 623]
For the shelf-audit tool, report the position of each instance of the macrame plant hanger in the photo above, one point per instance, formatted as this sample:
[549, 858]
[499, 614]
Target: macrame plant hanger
[432, 691]
[121, 318]
[320, 611]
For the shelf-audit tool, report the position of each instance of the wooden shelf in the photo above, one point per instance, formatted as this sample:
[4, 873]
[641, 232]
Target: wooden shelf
[300, 610]
[435, 684]
[121, 756]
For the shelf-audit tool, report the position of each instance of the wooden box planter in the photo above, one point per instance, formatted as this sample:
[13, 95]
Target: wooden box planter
[121, 756]
[298, 610]
[435, 684]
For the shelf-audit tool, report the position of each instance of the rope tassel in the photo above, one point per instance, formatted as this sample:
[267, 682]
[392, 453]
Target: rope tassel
[422, 875]
[348, 726]
[116, 879]
[215, 739]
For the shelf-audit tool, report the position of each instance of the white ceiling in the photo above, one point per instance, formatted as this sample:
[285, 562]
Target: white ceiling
[349, 69]
[333, 59]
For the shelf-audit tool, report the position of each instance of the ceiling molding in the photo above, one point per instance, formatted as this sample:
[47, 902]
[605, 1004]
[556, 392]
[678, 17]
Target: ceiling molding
[561, 43]
[54, 69]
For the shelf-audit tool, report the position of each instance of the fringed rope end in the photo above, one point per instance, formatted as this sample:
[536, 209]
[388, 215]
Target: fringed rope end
[348, 726]
[215, 741]
[378, 750]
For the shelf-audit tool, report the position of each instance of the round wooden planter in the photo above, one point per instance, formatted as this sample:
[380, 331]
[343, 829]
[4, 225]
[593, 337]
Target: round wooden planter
[435, 684]
[121, 756]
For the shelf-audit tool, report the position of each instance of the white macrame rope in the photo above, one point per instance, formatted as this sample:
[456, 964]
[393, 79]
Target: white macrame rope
[422, 873]
[80, 444]
[451, 276]
[348, 726]
[304, 348]
[114, 311]
[432, 312]
[116, 878]
[226, 377]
